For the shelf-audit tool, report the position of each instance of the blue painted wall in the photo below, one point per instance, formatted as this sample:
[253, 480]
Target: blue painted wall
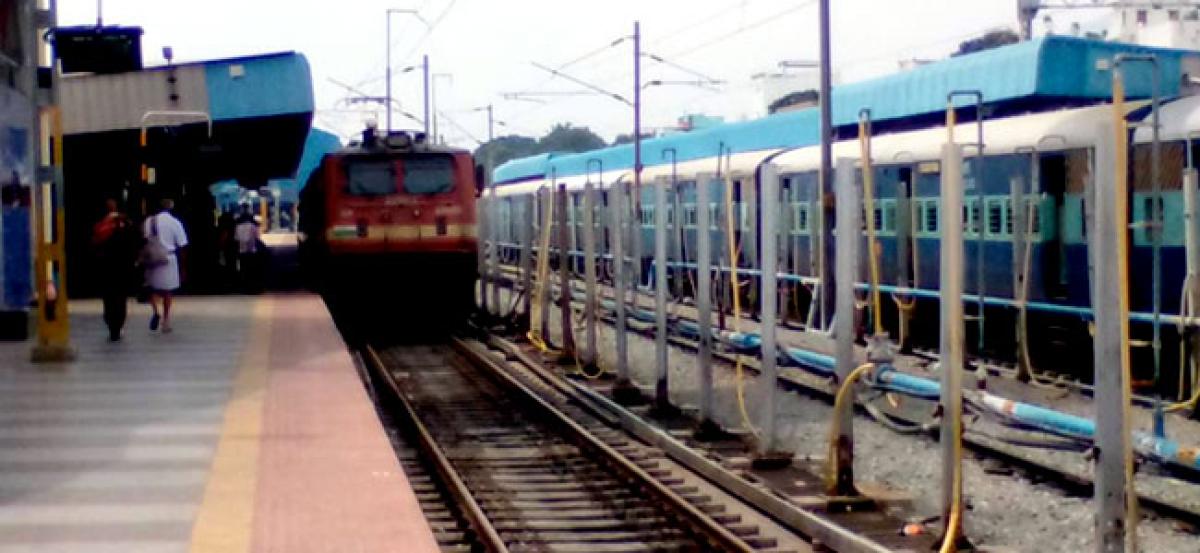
[270, 85]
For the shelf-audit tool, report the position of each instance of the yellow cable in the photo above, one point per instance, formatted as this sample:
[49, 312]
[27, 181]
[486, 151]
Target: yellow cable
[1185, 313]
[903, 312]
[835, 426]
[864, 144]
[540, 288]
[734, 249]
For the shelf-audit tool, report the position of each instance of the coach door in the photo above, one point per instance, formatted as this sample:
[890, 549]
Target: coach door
[1052, 169]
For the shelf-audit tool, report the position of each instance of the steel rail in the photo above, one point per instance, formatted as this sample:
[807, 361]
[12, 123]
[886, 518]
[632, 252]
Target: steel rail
[711, 530]
[485, 533]
[1068, 481]
[813, 526]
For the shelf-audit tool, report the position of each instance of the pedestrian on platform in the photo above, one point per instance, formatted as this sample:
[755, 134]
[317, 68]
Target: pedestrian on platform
[162, 259]
[247, 235]
[115, 242]
[228, 248]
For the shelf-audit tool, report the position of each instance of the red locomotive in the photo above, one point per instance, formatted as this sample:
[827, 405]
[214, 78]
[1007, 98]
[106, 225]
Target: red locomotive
[388, 224]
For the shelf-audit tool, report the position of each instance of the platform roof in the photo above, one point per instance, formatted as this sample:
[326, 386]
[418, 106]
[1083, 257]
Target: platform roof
[1041, 74]
[228, 89]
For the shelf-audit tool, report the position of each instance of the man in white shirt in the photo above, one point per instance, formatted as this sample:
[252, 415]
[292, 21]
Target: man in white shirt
[246, 233]
[163, 279]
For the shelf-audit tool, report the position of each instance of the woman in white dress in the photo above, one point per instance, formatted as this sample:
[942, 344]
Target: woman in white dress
[163, 279]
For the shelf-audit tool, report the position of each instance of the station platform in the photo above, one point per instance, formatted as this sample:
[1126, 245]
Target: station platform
[246, 429]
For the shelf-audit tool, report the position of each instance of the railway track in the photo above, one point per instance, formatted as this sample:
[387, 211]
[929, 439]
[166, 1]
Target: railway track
[1072, 482]
[528, 471]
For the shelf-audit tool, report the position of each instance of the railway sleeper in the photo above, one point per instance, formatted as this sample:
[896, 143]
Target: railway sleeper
[485, 484]
[591, 547]
[577, 525]
[591, 537]
[562, 495]
[556, 513]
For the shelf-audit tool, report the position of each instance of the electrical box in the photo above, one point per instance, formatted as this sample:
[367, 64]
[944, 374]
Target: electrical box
[90, 49]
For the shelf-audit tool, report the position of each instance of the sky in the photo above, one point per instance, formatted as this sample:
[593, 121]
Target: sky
[483, 51]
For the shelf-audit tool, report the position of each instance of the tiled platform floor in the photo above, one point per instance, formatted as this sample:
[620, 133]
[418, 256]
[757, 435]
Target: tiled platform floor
[244, 430]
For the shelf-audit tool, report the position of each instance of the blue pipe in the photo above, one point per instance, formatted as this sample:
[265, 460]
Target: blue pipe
[1084, 313]
[889, 378]
[1166, 451]
[815, 363]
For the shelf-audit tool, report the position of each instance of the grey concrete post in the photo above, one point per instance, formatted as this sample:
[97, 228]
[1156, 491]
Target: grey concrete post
[849, 213]
[528, 215]
[768, 202]
[564, 273]
[1020, 239]
[482, 218]
[589, 270]
[616, 200]
[704, 182]
[953, 335]
[1111, 315]
[1192, 249]
[662, 397]
[493, 262]
[546, 197]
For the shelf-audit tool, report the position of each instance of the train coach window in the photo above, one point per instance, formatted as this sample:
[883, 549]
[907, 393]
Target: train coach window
[371, 178]
[428, 175]
[931, 217]
[801, 218]
[995, 217]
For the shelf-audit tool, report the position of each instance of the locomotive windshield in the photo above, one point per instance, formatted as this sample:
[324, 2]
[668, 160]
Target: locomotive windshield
[371, 178]
[420, 175]
[428, 174]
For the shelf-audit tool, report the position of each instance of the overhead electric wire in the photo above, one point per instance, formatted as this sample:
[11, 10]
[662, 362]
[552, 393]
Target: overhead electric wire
[460, 128]
[429, 31]
[404, 60]
[582, 83]
[687, 70]
[578, 59]
[743, 28]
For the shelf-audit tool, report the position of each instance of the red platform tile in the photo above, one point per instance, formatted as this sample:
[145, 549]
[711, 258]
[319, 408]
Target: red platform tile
[328, 479]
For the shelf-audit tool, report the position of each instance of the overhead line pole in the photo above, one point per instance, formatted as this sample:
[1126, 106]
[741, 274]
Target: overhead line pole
[637, 158]
[827, 250]
[388, 72]
[425, 86]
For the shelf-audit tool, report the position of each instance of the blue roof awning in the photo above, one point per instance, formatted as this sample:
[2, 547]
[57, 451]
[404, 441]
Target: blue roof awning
[1040, 74]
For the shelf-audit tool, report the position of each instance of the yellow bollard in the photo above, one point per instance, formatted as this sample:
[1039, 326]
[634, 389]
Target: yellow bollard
[53, 320]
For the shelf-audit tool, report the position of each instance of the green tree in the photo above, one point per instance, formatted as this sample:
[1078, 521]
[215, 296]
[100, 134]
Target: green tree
[505, 148]
[562, 138]
[565, 138]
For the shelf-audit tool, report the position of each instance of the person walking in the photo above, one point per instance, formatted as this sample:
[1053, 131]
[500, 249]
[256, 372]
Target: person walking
[115, 243]
[246, 233]
[165, 234]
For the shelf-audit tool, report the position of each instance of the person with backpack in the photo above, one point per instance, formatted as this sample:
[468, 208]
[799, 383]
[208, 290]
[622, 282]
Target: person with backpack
[161, 259]
[115, 242]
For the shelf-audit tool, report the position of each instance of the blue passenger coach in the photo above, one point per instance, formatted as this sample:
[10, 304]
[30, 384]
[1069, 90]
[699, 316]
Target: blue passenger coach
[1042, 100]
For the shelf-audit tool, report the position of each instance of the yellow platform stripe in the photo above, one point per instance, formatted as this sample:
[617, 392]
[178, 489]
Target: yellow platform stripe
[225, 520]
